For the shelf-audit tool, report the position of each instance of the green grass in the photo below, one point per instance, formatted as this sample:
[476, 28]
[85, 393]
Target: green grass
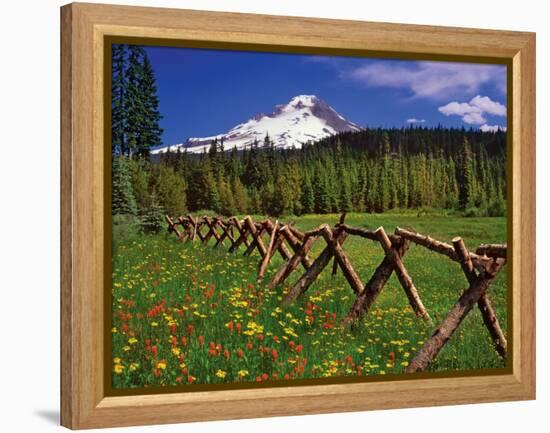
[177, 307]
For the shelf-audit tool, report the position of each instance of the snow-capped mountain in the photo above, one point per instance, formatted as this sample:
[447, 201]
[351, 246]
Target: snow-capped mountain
[306, 118]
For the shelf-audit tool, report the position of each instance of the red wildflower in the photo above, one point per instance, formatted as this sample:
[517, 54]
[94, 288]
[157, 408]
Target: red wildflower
[249, 346]
[230, 326]
[392, 356]
[274, 354]
[240, 353]
[291, 344]
[261, 337]
[190, 329]
[226, 354]
[299, 348]
[154, 350]
[201, 340]
[238, 327]
[265, 376]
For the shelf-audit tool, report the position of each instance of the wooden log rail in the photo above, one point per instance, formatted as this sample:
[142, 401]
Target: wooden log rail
[266, 238]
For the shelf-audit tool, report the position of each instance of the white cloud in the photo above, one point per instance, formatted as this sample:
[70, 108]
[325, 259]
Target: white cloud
[413, 120]
[474, 112]
[435, 80]
[492, 128]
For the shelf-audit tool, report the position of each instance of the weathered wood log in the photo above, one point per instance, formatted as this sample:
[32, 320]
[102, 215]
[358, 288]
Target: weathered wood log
[297, 233]
[171, 226]
[374, 286]
[199, 225]
[194, 226]
[295, 245]
[253, 244]
[242, 235]
[256, 235]
[294, 261]
[479, 261]
[364, 233]
[403, 276]
[342, 259]
[313, 272]
[335, 262]
[492, 250]
[269, 251]
[213, 232]
[487, 312]
[280, 247]
[450, 324]
[185, 234]
[226, 234]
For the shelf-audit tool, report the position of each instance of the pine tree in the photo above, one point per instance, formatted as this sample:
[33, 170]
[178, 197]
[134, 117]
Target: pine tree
[308, 198]
[134, 104]
[152, 220]
[123, 200]
[151, 132]
[466, 173]
[240, 196]
[118, 91]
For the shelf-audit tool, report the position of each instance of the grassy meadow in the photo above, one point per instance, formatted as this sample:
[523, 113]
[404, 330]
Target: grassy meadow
[190, 314]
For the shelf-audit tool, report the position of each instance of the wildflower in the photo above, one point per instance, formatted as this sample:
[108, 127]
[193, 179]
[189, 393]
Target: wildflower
[299, 348]
[116, 360]
[201, 340]
[242, 373]
[249, 346]
[274, 354]
[154, 350]
[240, 353]
[161, 365]
[176, 351]
[221, 374]
[132, 340]
[265, 376]
[118, 368]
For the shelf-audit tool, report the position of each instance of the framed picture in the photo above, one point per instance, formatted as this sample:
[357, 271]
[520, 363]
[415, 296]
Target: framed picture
[267, 216]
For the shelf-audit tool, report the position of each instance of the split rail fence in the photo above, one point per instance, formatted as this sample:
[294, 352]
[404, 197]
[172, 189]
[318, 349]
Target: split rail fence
[269, 238]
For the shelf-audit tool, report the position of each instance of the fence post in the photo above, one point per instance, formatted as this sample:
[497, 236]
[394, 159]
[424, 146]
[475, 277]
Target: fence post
[403, 275]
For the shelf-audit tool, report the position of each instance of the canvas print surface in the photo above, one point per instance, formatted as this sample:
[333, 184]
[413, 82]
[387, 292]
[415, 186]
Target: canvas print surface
[293, 219]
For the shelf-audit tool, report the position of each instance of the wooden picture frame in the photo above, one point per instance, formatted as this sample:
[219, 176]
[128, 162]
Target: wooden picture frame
[84, 28]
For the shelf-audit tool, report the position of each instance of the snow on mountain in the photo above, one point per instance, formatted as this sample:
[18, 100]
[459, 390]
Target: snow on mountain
[306, 118]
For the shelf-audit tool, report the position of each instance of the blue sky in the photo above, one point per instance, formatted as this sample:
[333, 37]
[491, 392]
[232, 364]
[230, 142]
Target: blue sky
[206, 92]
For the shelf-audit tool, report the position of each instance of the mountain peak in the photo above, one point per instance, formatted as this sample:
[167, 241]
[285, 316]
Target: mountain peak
[304, 100]
[305, 118]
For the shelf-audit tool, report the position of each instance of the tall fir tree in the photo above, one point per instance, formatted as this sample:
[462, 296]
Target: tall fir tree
[118, 93]
[466, 173]
[134, 103]
[123, 201]
[151, 132]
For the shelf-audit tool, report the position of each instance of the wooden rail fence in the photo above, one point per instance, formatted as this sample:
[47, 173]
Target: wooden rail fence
[269, 238]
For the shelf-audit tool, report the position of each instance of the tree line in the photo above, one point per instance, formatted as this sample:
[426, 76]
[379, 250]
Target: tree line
[372, 170]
